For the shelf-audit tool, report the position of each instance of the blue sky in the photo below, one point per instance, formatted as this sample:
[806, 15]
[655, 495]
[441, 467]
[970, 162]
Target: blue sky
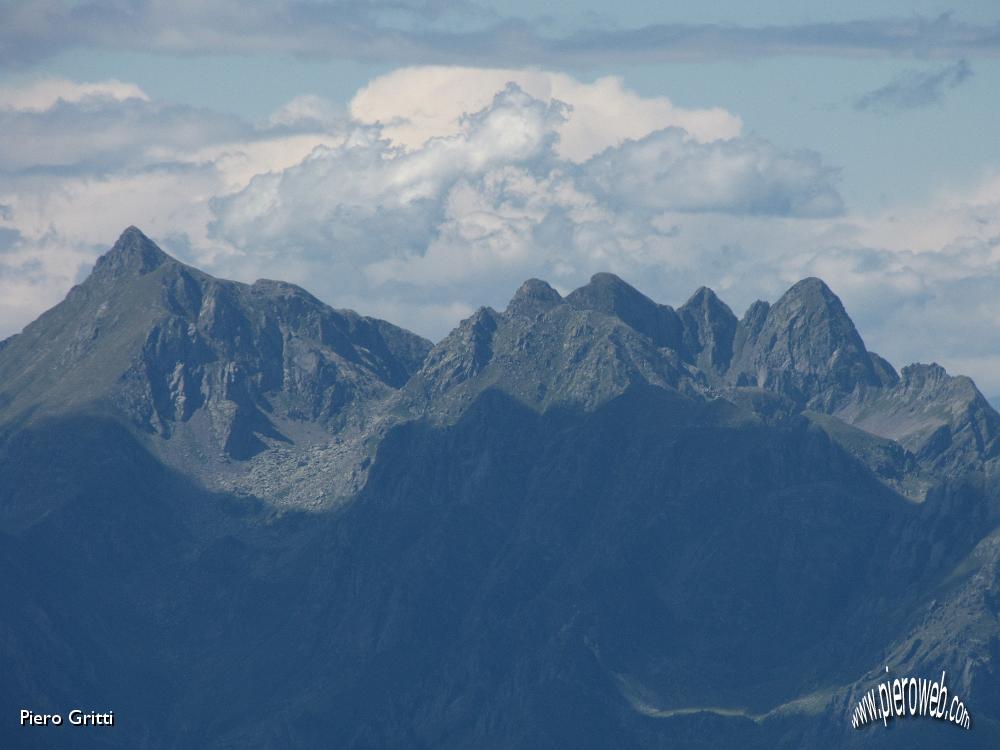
[800, 102]
[730, 144]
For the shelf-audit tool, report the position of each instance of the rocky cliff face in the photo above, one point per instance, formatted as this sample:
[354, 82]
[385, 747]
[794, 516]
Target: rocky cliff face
[608, 294]
[709, 332]
[167, 346]
[804, 350]
[545, 352]
[590, 521]
[806, 347]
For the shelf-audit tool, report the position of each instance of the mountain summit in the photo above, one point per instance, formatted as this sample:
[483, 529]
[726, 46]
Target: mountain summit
[608, 294]
[238, 517]
[807, 347]
[709, 330]
[133, 254]
[167, 347]
[237, 368]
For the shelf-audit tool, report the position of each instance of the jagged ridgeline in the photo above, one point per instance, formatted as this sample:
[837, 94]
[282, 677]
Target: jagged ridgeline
[238, 517]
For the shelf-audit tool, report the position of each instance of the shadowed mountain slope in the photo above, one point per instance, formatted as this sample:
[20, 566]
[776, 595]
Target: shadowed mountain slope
[584, 521]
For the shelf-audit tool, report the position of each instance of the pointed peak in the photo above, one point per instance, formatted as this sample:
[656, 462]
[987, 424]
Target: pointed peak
[751, 323]
[609, 294]
[709, 330]
[538, 288]
[132, 232]
[883, 368]
[757, 311]
[703, 296]
[707, 300]
[815, 298]
[533, 298]
[134, 254]
[810, 288]
[812, 282]
[806, 347]
[604, 278]
[755, 315]
[485, 319]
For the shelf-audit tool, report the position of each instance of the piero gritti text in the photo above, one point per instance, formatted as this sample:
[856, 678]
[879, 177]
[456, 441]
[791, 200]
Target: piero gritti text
[75, 718]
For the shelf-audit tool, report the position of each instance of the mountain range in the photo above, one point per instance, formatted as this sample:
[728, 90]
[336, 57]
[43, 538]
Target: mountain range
[238, 517]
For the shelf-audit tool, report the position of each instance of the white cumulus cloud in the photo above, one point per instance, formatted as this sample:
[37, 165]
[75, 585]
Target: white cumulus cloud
[41, 94]
[439, 190]
[418, 103]
[491, 199]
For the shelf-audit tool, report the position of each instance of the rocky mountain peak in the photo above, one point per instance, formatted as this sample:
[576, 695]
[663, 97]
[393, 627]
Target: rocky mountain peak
[170, 345]
[608, 294]
[709, 331]
[920, 375]
[812, 299]
[706, 298]
[884, 370]
[811, 287]
[460, 356]
[171, 348]
[134, 254]
[533, 298]
[755, 315]
[749, 327]
[806, 347]
[942, 419]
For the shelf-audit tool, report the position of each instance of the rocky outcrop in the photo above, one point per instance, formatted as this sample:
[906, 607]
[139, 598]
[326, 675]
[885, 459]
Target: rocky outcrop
[606, 293]
[166, 345]
[943, 420]
[547, 352]
[709, 331]
[804, 346]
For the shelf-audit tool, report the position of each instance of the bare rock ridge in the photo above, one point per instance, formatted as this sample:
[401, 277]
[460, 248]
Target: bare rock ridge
[133, 254]
[533, 298]
[243, 367]
[173, 348]
[709, 331]
[546, 351]
[608, 294]
[805, 348]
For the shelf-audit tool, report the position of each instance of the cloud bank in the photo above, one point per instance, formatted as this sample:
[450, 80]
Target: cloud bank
[463, 33]
[604, 112]
[421, 214]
